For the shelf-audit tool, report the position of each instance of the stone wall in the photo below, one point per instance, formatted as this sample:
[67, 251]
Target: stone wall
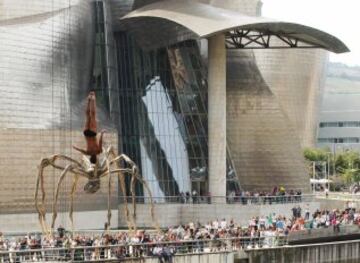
[336, 252]
[17, 224]
[222, 257]
[20, 153]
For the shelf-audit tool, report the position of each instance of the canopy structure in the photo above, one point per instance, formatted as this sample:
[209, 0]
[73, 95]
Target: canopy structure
[171, 21]
[27, 19]
[320, 181]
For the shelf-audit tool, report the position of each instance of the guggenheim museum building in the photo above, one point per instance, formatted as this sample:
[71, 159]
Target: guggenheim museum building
[204, 95]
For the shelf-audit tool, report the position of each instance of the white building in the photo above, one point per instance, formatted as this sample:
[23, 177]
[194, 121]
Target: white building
[339, 122]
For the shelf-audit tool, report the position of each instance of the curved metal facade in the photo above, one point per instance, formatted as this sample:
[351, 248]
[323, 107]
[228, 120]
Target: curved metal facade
[47, 60]
[273, 99]
[200, 20]
[37, 56]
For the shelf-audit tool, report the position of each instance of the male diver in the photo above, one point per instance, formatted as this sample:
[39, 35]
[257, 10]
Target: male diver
[94, 147]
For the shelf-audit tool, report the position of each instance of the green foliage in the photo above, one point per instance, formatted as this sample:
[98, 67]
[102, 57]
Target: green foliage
[316, 155]
[347, 163]
[340, 163]
[350, 176]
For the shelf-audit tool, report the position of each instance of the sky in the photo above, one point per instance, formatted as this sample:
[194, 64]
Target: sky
[340, 18]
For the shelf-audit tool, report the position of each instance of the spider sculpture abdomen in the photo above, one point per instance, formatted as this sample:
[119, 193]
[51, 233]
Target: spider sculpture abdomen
[92, 186]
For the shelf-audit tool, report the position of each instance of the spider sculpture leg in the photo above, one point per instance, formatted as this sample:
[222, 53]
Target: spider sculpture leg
[110, 172]
[41, 208]
[109, 194]
[152, 208]
[130, 219]
[45, 162]
[56, 194]
[72, 194]
[120, 172]
[134, 176]
[132, 189]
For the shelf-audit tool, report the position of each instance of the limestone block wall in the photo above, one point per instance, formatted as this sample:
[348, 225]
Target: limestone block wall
[221, 257]
[20, 224]
[346, 251]
[20, 153]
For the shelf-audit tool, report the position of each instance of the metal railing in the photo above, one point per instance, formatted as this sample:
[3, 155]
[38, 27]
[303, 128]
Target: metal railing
[343, 196]
[243, 200]
[162, 250]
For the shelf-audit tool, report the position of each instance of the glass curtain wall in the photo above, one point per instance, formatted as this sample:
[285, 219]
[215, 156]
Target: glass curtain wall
[105, 81]
[163, 108]
[100, 83]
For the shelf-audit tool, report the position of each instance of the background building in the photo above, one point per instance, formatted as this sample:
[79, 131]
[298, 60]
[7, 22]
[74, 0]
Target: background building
[339, 123]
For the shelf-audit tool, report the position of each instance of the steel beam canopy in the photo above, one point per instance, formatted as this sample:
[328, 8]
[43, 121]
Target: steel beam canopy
[166, 22]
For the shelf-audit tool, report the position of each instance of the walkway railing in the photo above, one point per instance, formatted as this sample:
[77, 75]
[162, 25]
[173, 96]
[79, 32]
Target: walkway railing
[343, 196]
[163, 250]
[243, 200]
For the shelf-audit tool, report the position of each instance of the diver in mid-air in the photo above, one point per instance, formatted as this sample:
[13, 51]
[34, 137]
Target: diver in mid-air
[94, 146]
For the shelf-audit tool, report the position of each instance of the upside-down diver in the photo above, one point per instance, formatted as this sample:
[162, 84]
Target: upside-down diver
[94, 147]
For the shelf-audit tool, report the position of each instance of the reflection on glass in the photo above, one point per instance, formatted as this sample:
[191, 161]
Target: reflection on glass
[163, 98]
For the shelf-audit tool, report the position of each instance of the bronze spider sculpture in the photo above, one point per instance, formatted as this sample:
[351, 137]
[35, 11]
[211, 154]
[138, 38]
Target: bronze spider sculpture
[109, 165]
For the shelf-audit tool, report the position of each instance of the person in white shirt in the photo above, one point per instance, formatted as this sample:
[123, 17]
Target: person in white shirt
[215, 224]
[223, 224]
[262, 222]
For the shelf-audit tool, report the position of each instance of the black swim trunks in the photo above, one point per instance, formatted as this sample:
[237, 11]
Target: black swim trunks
[89, 133]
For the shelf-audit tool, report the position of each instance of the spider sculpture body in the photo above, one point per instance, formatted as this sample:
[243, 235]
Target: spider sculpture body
[109, 165]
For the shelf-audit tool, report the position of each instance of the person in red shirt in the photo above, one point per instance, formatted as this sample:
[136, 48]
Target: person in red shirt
[94, 146]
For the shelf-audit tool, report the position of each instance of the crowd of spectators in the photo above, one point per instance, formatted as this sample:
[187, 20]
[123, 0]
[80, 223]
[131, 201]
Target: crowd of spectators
[276, 195]
[263, 231]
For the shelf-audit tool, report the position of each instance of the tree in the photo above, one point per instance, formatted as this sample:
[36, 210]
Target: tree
[350, 176]
[320, 159]
[347, 163]
[316, 155]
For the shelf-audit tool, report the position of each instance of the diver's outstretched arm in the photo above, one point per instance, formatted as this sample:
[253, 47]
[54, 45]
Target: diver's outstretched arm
[80, 150]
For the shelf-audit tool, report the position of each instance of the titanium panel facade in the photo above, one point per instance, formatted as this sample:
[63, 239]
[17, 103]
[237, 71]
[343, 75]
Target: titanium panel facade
[47, 63]
[273, 99]
[204, 21]
[263, 143]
